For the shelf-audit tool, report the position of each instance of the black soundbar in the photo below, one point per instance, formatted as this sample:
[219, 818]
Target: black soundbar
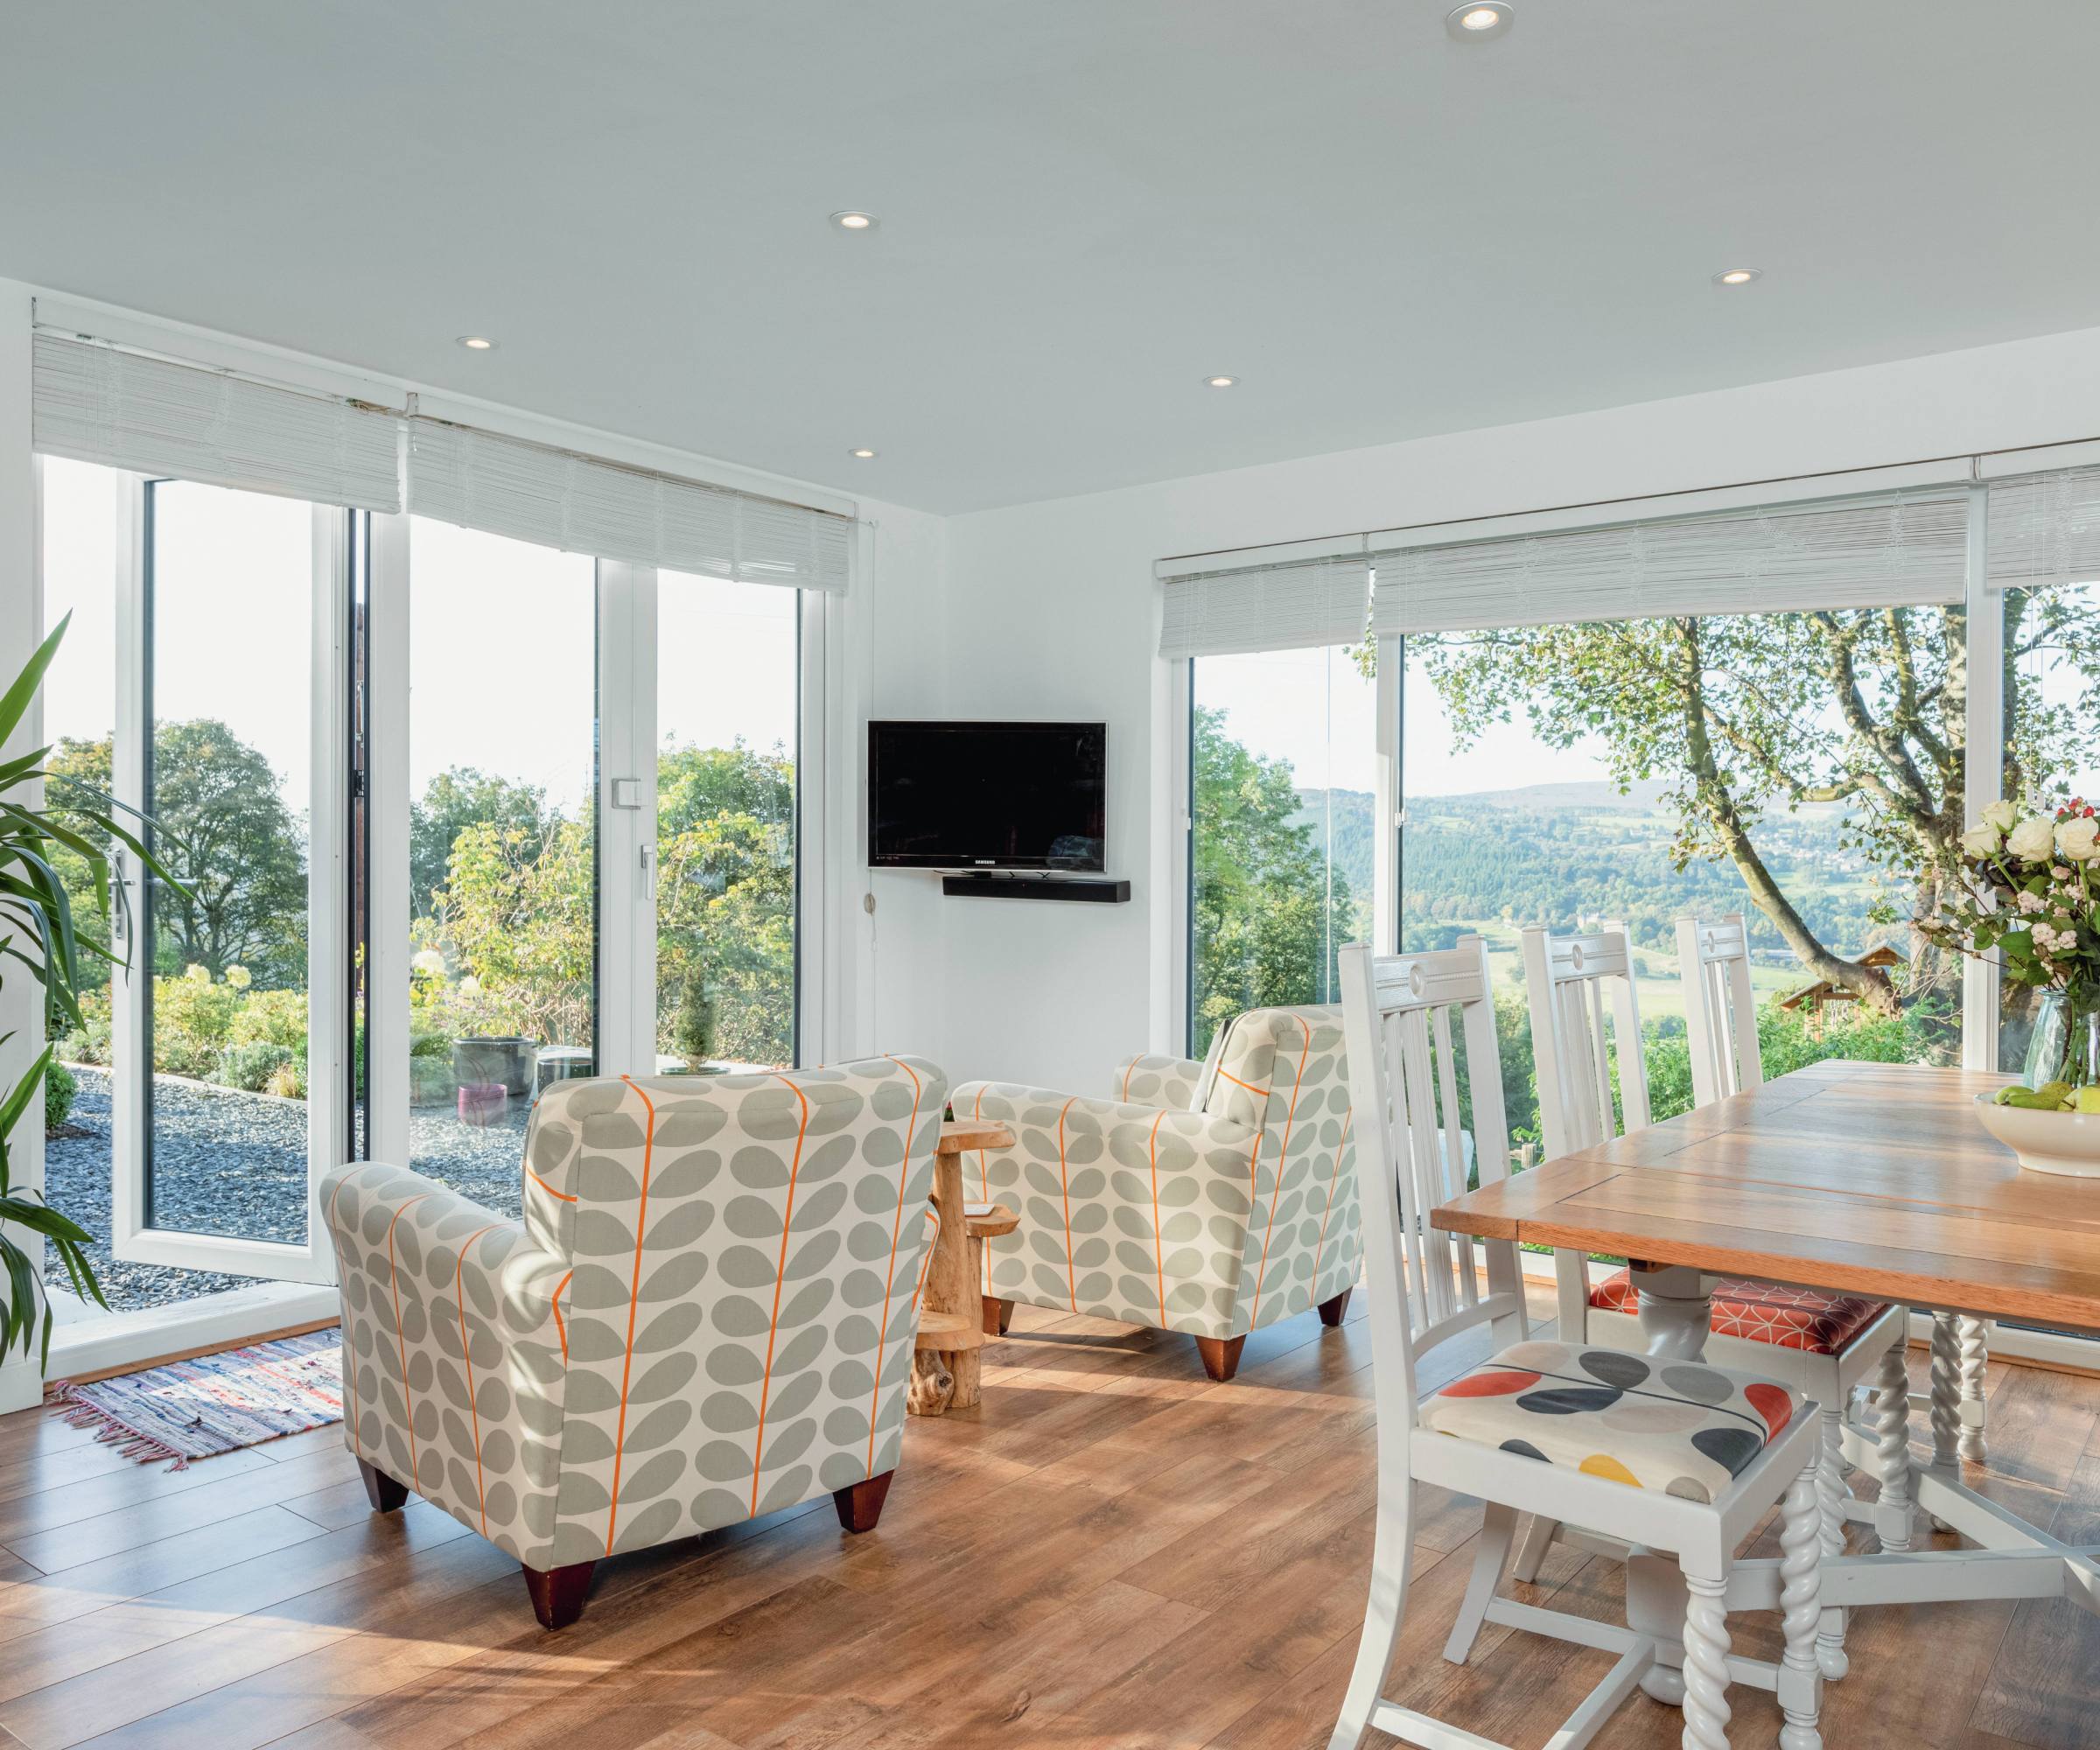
[1079, 891]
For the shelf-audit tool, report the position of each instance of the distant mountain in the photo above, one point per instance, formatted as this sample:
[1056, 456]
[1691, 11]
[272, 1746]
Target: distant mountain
[1557, 853]
[1591, 795]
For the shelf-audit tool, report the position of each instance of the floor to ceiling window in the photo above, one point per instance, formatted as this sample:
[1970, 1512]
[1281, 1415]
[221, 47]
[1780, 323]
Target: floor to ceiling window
[1282, 848]
[728, 706]
[503, 738]
[1636, 771]
[184, 1136]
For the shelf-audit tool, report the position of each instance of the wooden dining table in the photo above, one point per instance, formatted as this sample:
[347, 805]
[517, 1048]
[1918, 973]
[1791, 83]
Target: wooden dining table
[1873, 1180]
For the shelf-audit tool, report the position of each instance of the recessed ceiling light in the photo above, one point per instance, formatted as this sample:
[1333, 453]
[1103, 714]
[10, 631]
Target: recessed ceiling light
[1221, 383]
[477, 343]
[1473, 22]
[862, 455]
[1739, 275]
[855, 222]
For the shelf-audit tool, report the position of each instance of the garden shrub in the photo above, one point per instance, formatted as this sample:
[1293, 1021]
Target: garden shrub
[60, 1088]
[251, 1067]
[270, 1017]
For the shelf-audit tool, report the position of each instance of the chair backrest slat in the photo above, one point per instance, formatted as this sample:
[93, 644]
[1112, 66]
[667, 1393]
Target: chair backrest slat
[1720, 1009]
[1412, 1155]
[1585, 1014]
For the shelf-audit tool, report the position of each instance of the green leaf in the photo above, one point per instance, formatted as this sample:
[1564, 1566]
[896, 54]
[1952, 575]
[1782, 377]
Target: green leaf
[24, 1091]
[14, 704]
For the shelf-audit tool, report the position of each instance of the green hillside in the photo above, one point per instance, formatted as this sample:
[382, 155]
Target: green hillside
[1565, 855]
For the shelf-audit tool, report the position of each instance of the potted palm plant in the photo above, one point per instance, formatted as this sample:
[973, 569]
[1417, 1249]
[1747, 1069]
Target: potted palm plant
[37, 933]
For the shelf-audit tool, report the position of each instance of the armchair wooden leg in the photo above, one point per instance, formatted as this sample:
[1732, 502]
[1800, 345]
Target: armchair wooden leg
[557, 1593]
[1331, 1310]
[382, 1490]
[998, 1314]
[1220, 1355]
[859, 1504]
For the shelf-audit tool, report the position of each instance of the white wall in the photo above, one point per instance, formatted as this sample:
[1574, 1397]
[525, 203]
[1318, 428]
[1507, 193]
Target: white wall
[1049, 609]
[21, 1011]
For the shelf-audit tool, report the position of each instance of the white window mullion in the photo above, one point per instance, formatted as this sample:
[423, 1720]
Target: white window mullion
[327, 884]
[822, 749]
[1387, 803]
[627, 819]
[131, 984]
[1984, 734]
[387, 851]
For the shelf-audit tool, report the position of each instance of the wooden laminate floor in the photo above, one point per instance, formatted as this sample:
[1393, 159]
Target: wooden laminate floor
[1111, 1551]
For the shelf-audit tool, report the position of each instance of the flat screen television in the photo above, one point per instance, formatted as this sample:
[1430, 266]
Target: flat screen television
[988, 795]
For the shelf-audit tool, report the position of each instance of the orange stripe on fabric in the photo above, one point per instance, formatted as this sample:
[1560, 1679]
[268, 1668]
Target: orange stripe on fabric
[627, 1365]
[408, 1397]
[904, 1168]
[1333, 1173]
[1158, 1264]
[349, 1358]
[565, 1196]
[1282, 1159]
[466, 1354]
[560, 1329]
[1071, 1276]
[1127, 1068]
[772, 1329]
[1258, 1093]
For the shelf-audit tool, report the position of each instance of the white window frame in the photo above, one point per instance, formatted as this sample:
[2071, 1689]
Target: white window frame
[132, 1240]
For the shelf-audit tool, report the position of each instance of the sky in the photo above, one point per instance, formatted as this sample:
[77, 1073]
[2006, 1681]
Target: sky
[502, 639]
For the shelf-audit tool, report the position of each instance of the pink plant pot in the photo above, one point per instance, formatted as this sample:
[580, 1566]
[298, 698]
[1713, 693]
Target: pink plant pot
[482, 1104]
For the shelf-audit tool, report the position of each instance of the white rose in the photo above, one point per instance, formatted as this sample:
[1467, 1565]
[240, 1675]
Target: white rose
[2001, 814]
[429, 961]
[1980, 840]
[2034, 837]
[2079, 839]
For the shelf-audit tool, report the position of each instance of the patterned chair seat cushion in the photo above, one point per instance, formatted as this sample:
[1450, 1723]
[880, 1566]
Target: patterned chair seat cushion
[1809, 1319]
[1685, 1428]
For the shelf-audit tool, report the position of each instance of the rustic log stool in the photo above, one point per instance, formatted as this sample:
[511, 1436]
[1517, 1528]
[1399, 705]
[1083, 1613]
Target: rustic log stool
[946, 1367]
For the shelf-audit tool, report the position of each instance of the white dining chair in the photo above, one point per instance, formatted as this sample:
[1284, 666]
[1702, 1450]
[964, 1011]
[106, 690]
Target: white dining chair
[1720, 1026]
[1821, 1344]
[1680, 1458]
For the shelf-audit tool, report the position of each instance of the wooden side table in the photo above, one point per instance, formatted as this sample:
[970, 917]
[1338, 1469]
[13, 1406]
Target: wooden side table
[946, 1367]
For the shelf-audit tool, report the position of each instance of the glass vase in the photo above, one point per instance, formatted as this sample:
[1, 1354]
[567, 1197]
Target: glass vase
[2064, 1046]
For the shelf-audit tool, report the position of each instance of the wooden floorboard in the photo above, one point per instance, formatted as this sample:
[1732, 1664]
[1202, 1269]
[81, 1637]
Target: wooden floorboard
[1112, 1551]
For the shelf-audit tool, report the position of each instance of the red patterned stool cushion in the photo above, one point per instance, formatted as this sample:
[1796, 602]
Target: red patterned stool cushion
[1809, 1319]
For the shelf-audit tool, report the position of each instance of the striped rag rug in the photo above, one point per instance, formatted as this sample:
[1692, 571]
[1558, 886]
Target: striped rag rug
[213, 1403]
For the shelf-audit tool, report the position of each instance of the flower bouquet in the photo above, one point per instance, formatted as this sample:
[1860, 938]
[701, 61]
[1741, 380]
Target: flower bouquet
[2029, 886]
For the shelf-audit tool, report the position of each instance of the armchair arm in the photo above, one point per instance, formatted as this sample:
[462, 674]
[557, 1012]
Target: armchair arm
[454, 1351]
[1127, 1211]
[1167, 1083]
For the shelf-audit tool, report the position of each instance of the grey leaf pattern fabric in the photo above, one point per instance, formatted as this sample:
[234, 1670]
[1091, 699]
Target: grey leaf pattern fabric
[1166, 1083]
[706, 1314]
[1211, 1222]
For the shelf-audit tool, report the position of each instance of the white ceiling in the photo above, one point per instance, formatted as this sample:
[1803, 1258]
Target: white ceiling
[1087, 206]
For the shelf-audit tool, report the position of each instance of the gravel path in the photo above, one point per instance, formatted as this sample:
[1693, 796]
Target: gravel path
[234, 1164]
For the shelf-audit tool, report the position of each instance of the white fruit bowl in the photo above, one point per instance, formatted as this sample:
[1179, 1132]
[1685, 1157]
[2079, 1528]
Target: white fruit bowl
[2063, 1142]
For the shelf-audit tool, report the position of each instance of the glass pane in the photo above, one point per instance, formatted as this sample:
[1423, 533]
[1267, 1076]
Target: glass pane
[1283, 769]
[728, 705]
[2053, 688]
[1636, 770]
[229, 696]
[503, 845]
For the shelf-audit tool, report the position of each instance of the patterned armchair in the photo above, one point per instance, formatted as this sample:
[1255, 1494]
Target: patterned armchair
[705, 1315]
[1206, 1198]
